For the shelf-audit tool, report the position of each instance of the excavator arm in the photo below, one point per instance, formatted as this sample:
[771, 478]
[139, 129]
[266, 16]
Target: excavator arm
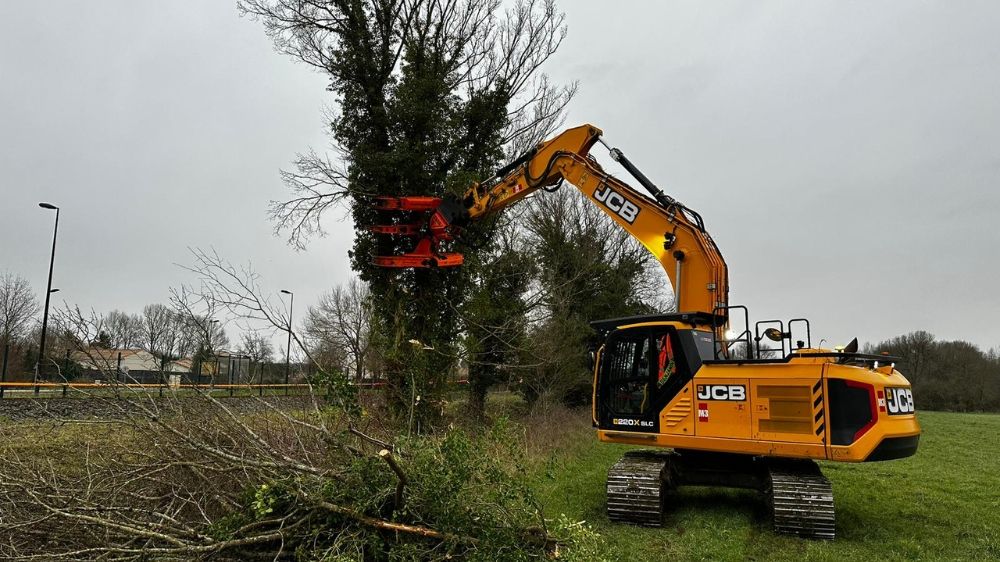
[674, 234]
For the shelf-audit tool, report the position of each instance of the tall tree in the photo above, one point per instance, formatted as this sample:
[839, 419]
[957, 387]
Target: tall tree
[259, 349]
[154, 328]
[588, 269]
[124, 330]
[429, 96]
[495, 315]
[18, 307]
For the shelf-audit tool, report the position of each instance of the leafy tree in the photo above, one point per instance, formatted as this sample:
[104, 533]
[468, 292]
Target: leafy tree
[495, 315]
[588, 269]
[103, 341]
[429, 96]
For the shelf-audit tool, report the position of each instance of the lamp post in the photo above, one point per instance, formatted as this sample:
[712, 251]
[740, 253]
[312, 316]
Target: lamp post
[48, 293]
[288, 347]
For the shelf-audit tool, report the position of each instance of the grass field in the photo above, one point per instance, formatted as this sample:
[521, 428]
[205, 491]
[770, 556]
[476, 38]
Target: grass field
[941, 504]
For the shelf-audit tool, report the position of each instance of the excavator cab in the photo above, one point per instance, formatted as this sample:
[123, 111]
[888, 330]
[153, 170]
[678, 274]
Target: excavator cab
[640, 369]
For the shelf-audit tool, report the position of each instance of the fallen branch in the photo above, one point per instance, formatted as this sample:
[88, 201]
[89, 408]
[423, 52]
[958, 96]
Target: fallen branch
[370, 439]
[397, 527]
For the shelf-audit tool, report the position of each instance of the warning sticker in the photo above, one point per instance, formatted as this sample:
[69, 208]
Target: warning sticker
[703, 411]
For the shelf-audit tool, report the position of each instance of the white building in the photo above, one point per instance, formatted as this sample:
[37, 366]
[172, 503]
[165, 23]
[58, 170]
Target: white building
[116, 360]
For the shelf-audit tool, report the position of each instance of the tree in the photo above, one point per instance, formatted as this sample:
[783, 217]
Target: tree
[123, 329]
[18, 307]
[154, 329]
[338, 328]
[495, 315]
[588, 269]
[430, 96]
[258, 348]
[202, 333]
[945, 375]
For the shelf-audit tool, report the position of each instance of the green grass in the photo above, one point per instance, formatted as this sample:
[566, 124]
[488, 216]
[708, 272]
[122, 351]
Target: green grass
[941, 504]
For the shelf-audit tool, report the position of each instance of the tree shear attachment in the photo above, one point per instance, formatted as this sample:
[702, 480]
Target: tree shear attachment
[431, 227]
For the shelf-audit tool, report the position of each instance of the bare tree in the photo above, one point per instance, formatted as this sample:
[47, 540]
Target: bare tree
[233, 290]
[18, 307]
[258, 348]
[338, 327]
[156, 320]
[197, 315]
[123, 329]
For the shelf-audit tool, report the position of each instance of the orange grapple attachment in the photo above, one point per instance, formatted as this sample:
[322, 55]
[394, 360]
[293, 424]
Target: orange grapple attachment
[430, 226]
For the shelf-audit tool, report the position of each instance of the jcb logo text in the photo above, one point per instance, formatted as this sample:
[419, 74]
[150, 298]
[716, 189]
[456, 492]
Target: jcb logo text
[733, 392]
[617, 202]
[899, 400]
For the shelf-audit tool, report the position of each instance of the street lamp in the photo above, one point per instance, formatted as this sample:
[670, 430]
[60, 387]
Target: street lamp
[288, 347]
[48, 292]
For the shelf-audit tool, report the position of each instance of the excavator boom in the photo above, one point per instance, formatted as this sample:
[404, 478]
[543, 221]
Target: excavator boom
[674, 234]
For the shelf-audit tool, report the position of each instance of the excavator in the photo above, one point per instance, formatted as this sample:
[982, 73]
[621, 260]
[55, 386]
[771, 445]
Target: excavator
[712, 407]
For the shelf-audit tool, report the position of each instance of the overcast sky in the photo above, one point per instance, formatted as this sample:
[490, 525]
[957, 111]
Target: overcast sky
[845, 156]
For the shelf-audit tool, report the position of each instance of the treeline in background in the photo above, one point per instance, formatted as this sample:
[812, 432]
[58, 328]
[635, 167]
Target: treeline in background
[947, 375]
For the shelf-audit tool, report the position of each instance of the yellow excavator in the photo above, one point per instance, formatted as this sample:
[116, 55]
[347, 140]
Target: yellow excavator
[749, 410]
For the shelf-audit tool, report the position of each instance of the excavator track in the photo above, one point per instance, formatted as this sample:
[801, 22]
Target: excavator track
[801, 500]
[799, 496]
[637, 488]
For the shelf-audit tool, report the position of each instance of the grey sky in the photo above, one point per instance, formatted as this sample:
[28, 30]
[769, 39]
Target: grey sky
[845, 156]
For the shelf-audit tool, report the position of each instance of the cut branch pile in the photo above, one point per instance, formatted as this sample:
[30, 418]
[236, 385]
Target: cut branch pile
[190, 478]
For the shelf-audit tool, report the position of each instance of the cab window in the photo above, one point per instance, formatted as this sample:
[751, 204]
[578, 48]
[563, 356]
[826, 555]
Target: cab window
[628, 374]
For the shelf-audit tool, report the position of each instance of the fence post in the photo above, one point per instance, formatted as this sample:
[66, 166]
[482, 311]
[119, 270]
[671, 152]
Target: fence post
[3, 372]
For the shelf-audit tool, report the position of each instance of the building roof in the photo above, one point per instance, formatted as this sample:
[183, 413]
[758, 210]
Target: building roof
[107, 354]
